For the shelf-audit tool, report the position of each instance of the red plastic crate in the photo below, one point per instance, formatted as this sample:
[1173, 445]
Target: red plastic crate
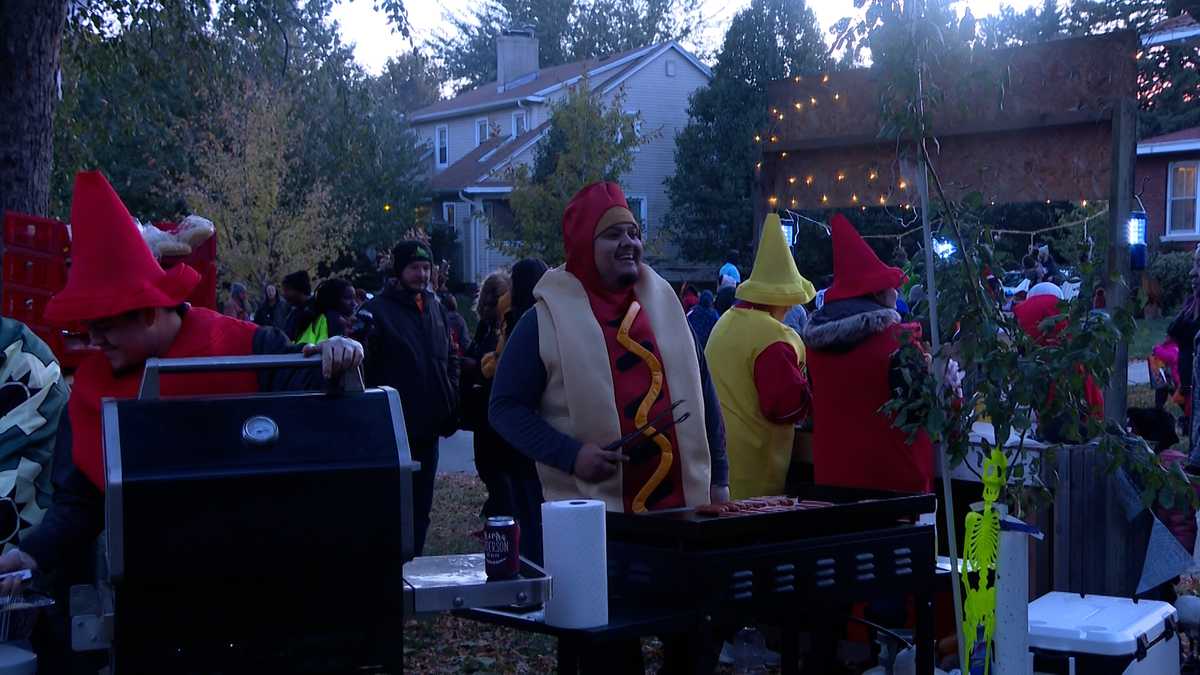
[35, 269]
[40, 234]
[27, 305]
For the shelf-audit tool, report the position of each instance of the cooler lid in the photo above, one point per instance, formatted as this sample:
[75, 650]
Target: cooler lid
[1094, 624]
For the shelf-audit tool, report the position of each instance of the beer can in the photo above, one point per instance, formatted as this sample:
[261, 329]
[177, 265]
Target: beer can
[501, 547]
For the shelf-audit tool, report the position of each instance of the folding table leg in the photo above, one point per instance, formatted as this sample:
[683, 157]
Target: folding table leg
[568, 656]
[923, 636]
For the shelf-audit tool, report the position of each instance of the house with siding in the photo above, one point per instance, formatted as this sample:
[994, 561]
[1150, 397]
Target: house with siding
[478, 136]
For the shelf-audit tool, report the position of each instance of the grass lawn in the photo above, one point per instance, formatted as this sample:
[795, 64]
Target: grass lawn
[1148, 333]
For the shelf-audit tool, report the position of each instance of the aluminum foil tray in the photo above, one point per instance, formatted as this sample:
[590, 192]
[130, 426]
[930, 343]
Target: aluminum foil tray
[447, 582]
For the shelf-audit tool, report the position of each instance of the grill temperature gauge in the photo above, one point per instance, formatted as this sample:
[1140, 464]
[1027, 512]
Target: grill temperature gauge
[260, 431]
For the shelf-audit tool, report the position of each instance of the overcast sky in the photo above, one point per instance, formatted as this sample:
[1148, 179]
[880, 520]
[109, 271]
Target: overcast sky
[374, 42]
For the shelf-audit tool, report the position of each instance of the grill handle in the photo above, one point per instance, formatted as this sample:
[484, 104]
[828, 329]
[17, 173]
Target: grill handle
[351, 381]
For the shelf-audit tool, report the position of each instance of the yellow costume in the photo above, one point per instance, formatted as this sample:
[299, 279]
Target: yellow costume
[759, 450]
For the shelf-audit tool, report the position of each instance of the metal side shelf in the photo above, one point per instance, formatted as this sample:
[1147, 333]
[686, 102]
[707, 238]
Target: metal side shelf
[448, 582]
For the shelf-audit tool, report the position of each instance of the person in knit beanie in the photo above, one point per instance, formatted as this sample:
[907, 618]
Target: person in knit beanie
[409, 348]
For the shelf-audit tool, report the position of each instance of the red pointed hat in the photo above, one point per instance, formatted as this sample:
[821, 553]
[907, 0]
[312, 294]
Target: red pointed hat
[857, 271]
[112, 269]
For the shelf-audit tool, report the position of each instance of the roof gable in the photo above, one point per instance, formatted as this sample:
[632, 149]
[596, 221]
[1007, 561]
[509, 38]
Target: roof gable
[477, 166]
[606, 74]
[1184, 140]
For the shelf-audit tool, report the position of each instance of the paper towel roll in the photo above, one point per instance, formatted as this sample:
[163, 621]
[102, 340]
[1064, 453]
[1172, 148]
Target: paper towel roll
[573, 544]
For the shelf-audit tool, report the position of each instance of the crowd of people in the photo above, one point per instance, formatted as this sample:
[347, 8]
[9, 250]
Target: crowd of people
[595, 379]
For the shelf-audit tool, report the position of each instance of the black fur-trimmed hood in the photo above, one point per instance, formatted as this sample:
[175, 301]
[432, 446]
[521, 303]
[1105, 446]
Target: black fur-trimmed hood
[841, 325]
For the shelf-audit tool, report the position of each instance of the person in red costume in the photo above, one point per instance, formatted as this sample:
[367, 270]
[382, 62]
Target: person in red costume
[1042, 304]
[852, 344]
[134, 311]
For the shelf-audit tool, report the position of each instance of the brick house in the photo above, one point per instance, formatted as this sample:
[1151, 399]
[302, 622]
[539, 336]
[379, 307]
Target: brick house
[1168, 176]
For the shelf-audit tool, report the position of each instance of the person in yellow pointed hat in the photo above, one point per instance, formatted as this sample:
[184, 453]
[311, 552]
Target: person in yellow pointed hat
[757, 365]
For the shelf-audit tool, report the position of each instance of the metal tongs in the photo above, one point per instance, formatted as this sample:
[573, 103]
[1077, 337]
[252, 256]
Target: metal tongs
[640, 431]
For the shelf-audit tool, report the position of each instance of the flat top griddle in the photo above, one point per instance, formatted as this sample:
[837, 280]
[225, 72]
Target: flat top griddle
[853, 510]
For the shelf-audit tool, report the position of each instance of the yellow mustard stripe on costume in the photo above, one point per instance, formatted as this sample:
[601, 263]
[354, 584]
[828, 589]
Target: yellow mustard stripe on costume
[643, 411]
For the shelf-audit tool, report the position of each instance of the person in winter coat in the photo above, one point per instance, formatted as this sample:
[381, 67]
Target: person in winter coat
[758, 367]
[273, 311]
[852, 343]
[519, 490]
[408, 348]
[703, 317]
[297, 291]
[1183, 331]
[476, 389]
[330, 313]
[236, 305]
[606, 351]
[460, 340]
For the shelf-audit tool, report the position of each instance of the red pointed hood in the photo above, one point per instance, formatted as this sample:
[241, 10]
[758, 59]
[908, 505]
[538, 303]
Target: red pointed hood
[112, 269]
[593, 209]
[857, 271]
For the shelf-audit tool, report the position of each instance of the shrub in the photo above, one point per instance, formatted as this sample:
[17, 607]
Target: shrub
[1171, 271]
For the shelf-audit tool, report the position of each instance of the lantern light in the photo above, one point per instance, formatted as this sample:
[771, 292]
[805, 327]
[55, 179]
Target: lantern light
[872, 176]
[808, 180]
[773, 200]
[841, 176]
[387, 207]
[903, 184]
[791, 180]
[1137, 239]
[757, 138]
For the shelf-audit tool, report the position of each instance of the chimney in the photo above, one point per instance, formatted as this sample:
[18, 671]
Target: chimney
[516, 56]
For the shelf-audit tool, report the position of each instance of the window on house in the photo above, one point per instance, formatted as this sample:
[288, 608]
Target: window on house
[637, 205]
[443, 145]
[670, 67]
[519, 125]
[1181, 198]
[448, 213]
[481, 131]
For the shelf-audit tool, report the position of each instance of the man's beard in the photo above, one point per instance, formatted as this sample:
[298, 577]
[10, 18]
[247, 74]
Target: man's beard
[628, 279]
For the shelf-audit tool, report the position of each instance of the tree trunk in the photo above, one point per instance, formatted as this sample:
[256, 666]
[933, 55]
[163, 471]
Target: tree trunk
[31, 34]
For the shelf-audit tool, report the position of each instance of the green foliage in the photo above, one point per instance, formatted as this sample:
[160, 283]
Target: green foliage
[567, 30]
[588, 142]
[711, 208]
[1172, 271]
[145, 93]
[1008, 373]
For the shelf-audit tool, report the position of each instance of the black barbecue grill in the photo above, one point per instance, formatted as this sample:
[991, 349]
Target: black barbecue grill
[250, 518]
[243, 528]
[800, 567]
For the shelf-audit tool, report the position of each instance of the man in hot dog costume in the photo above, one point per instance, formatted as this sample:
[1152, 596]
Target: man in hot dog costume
[607, 351]
[133, 311]
[758, 367]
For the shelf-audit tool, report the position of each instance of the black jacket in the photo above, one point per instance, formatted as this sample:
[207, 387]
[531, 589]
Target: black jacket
[1183, 330]
[409, 350]
[76, 516]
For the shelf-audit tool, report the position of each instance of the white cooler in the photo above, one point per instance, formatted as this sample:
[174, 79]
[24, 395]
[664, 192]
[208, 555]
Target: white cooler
[1101, 635]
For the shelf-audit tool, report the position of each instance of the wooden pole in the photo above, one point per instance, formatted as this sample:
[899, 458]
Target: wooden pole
[1116, 278]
